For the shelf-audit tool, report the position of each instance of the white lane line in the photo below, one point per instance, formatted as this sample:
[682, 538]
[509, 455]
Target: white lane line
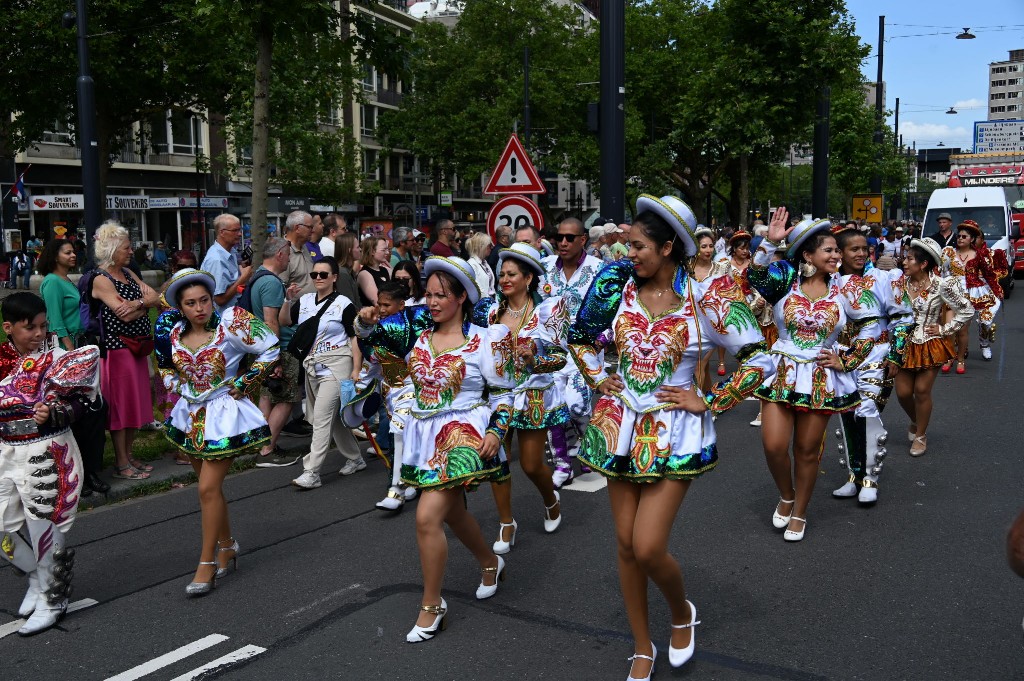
[12, 627]
[169, 658]
[222, 662]
[588, 482]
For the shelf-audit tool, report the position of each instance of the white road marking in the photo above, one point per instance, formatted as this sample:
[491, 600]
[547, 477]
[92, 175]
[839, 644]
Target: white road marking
[226, 661]
[588, 482]
[169, 658]
[12, 627]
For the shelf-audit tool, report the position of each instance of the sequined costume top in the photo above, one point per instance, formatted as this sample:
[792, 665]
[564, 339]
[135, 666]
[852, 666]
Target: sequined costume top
[805, 325]
[459, 379]
[65, 380]
[391, 368]
[928, 307]
[878, 305]
[213, 369]
[664, 350]
[544, 332]
[758, 305]
[976, 273]
[575, 288]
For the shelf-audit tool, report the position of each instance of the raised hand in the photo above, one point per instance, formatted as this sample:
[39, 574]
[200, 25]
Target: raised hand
[777, 228]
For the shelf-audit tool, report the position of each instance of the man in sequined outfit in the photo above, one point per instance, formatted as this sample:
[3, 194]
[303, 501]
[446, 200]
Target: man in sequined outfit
[43, 388]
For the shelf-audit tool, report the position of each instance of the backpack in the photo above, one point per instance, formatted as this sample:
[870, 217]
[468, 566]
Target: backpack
[88, 309]
[245, 300]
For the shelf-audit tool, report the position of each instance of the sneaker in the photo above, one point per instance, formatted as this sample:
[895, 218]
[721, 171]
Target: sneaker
[278, 461]
[986, 353]
[370, 451]
[297, 427]
[352, 465]
[308, 480]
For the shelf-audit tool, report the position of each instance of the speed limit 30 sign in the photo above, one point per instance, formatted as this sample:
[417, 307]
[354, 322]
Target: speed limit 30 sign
[515, 212]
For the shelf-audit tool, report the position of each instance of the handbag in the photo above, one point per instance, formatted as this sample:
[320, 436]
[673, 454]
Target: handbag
[141, 346]
[305, 334]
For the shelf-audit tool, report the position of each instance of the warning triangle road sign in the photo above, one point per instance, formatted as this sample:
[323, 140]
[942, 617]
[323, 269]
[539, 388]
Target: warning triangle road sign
[514, 173]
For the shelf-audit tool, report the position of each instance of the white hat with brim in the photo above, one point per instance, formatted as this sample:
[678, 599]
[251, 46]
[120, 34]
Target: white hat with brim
[677, 214]
[458, 268]
[187, 277]
[803, 231]
[364, 405]
[703, 232]
[524, 253]
[929, 246]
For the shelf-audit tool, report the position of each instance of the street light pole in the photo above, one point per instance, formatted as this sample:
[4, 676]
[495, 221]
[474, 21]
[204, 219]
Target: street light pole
[612, 110]
[86, 132]
[876, 178]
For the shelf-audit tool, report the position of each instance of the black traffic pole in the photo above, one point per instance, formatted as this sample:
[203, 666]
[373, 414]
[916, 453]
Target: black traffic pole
[526, 97]
[612, 108]
[86, 132]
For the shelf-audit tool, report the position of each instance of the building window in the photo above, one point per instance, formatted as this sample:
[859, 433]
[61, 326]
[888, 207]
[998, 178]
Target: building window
[367, 120]
[1013, 81]
[999, 95]
[1013, 68]
[998, 83]
[1012, 107]
[1012, 95]
[370, 164]
[176, 133]
[997, 109]
[58, 133]
[369, 78]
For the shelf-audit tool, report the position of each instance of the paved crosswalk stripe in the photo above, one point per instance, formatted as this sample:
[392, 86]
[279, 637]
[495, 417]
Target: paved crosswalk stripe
[169, 658]
[12, 627]
[588, 482]
[221, 662]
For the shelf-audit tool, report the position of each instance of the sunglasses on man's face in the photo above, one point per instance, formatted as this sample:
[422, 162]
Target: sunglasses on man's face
[319, 275]
[567, 237]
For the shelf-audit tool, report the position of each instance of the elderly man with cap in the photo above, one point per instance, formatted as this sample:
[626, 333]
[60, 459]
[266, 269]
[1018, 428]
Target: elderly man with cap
[160, 256]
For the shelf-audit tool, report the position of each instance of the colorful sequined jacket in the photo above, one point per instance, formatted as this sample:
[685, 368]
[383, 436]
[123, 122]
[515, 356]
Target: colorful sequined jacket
[805, 325]
[459, 379]
[758, 305]
[665, 350]
[928, 308]
[380, 361]
[67, 381]
[213, 369]
[978, 272]
[572, 291]
[544, 333]
[878, 305]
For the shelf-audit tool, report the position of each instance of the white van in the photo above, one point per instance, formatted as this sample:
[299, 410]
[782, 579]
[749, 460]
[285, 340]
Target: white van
[985, 205]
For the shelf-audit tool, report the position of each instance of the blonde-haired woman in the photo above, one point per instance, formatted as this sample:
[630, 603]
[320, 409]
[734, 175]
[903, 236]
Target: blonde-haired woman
[126, 341]
[376, 268]
[479, 246]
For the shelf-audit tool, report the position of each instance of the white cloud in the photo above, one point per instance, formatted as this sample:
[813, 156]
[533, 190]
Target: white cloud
[930, 134]
[972, 103]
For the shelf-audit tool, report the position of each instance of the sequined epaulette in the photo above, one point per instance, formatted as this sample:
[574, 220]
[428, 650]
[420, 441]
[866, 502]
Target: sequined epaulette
[601, 303]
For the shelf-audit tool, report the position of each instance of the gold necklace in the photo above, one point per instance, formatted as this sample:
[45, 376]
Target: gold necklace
[660, 291]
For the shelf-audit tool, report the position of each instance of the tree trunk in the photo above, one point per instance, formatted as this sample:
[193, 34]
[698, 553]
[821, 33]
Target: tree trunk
[261, 135]
[741, 215]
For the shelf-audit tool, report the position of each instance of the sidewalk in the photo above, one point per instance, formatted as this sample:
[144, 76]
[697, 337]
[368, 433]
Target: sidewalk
[168, 475]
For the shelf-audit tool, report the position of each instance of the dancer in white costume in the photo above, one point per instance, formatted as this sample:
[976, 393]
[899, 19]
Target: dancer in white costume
[43, 388]
[878, 301]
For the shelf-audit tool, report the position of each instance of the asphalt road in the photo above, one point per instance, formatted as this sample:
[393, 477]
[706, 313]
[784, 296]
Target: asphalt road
[914, 588]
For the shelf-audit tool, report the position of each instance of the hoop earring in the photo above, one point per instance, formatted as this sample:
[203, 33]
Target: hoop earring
[807, 270]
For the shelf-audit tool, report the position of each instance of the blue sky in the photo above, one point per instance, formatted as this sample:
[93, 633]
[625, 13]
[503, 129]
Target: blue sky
[929, 72]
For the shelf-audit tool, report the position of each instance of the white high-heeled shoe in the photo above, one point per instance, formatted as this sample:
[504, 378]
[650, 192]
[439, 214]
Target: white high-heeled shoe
[483, 591]
[677, 657]
[501, 546]
[793, 535]
[419, 634]
[549, 524]
[652, 657]
[779, 520]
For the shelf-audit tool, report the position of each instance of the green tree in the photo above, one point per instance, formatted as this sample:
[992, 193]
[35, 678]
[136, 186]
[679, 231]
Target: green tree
[468, 94]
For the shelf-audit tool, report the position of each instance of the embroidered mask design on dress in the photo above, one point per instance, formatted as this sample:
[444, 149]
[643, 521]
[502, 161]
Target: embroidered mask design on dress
[649, 353]
[809, 323]
[438, 379]
[857, 290]
[724, 306]
[204, 371]
[456, 455]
